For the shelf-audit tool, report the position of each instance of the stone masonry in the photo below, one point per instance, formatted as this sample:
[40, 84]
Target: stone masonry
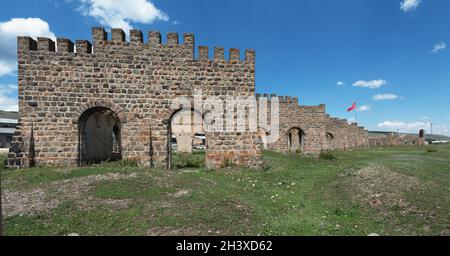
[393, 139]
[340, 135]
[309, 130]
[136, 82]
[76, 98]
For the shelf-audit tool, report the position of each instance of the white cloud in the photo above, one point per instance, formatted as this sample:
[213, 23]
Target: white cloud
[119, 13]
[340, 83]
[373, 84]
[9, 30]
[441, 129]
[414, 127]
[409, 5]
[8, 101]
[402, 126]
[439, 47]
[425, 118]
[7, 67]
[387, 96]
[364, 108]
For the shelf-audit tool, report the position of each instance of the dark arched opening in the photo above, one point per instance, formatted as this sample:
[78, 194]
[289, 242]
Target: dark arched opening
[330, 141]
[99, 136]
[296, 138]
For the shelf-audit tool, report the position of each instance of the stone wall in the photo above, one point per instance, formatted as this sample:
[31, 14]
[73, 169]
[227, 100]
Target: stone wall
[344, 135]
[310, 120]
[382, 139]
[308, 129]
[185, 124]
[337, 137]
[137, 81]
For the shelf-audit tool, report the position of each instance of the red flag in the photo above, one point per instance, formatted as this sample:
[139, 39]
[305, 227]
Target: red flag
[353, 107]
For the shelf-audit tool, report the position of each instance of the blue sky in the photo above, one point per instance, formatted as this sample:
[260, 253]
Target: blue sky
[389, 56]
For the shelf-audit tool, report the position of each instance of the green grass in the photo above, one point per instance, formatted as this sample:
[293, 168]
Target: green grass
[327, 156]
[28, 178]
[186, 160]
[389, 191]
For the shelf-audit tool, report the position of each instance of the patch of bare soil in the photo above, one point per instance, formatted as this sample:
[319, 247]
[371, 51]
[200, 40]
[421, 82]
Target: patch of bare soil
[181, 193]
[380, 187]
[49, 196]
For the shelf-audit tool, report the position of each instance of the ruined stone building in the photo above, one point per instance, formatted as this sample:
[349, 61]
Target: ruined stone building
[301, 128]
[86, 103]
[340, 135]
[309, 130]
[81, 103]
[393, 139]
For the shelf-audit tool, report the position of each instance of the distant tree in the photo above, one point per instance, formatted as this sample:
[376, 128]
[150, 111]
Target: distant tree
[421, 133]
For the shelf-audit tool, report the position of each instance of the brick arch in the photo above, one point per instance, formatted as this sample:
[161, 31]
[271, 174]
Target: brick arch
[184, 102]
[265, 129]
[99, 104]
[169, 115]
[302, 137]
[330, 140]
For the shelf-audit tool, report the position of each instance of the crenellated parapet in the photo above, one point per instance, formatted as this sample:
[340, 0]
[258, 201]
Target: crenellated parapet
[291, 104]
[136, 78]
[118, 39]
[342, 135]
[282, 100]
[301, 128]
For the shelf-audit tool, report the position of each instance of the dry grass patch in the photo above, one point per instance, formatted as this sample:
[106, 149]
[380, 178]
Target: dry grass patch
[380, 187]
[49, 196]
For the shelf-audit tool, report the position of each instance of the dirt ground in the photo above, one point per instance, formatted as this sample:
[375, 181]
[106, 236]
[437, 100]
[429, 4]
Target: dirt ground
[49, 196]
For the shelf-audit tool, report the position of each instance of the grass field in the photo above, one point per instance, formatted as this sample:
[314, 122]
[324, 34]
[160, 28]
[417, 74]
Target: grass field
[389, 191]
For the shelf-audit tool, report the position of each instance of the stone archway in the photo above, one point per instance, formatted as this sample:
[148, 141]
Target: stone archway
[186, 134]
[330, 141]
[99, 136]
[296, 138]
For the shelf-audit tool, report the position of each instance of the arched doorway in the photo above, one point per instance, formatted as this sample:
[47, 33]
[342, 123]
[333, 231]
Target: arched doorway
[330, 141]
[99, 136]
[296, 138]
[187, 143]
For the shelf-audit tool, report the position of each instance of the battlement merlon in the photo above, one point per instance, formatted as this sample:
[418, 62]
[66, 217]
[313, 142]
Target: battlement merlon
[83, 46]
[25, 43]
[45, 44]
[65, 45]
